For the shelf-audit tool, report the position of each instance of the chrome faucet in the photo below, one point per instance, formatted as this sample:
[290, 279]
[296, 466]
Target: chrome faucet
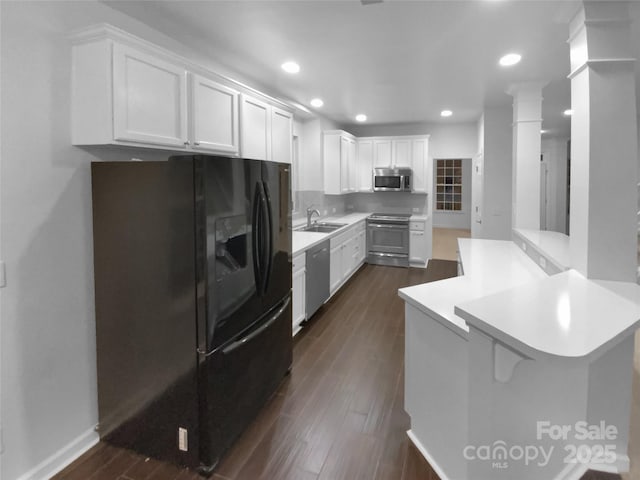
[310, 212]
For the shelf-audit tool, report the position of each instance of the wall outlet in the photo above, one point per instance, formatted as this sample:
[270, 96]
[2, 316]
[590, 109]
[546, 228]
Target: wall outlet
[333, 210]
[324, 212]
[415, 210]
[3, 275]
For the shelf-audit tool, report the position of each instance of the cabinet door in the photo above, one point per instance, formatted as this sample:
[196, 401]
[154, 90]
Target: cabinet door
[335, 268]
[382, 153]
[299, 297]
[417, 247]
[344, 164]
[281, 135]
[402, 153]
[364, 165]
[362, 240]
[353, 172]
[215, 116]
[331, 160]
[347, 258]
[419, 164]
[255, 130]
[149, 99]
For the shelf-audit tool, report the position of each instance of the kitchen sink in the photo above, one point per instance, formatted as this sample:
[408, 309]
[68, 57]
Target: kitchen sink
[321, 227]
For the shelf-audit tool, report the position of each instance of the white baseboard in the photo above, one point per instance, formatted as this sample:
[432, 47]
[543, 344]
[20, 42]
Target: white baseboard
[434, 465]
[573, 471]
[63, 457]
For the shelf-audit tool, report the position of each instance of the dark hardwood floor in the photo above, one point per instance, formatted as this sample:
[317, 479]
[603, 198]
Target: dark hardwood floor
[339, 415]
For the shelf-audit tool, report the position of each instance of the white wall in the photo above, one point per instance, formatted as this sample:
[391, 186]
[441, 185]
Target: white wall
[496, 216]
[554, 151]
[48, 371]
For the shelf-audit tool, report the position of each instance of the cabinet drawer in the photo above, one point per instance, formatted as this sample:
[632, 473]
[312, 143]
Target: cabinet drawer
[298, 262]
[416, 225]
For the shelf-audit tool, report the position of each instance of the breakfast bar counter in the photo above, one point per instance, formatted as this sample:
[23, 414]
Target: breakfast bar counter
[501, 359]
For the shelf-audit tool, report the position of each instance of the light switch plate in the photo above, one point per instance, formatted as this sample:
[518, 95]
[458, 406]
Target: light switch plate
[3, 275]
[543, 263]
[183, 439]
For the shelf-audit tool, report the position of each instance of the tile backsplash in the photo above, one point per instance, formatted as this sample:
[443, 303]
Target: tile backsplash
[383, 202]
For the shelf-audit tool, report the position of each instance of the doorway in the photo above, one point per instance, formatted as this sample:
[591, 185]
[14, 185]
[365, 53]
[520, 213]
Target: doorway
[452, 187]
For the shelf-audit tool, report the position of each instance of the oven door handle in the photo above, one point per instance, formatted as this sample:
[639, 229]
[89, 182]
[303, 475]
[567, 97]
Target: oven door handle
[396, 226]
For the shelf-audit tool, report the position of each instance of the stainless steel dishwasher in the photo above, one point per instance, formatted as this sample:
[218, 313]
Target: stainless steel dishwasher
[317, 278]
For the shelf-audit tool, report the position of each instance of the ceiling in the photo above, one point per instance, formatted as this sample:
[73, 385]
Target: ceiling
[396, 61]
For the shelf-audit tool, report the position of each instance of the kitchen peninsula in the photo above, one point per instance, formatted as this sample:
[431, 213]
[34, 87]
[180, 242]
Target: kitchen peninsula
[498, 356]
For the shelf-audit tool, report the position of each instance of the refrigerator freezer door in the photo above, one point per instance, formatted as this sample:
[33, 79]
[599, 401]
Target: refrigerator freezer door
[240, 378]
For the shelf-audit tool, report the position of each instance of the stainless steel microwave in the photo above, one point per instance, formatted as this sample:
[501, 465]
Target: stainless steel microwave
[391, 179]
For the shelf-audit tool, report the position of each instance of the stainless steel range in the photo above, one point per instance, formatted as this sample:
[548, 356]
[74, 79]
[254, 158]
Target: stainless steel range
[388, 239]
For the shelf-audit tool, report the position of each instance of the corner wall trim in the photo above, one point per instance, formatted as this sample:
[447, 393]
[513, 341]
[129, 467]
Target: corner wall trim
[63, 457]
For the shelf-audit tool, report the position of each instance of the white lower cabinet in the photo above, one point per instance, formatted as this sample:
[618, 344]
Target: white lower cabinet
[299, 291]
[419, 243]
[335, 267]
[347, 254]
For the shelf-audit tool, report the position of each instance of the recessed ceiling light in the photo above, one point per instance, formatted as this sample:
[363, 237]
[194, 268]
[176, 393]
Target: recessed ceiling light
[361, 117]
[446, 113]
[568, 112]
[510, 59]
[317, 102]
[290, 67]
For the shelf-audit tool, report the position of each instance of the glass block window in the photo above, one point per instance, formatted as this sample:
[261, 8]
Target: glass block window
[449, 185]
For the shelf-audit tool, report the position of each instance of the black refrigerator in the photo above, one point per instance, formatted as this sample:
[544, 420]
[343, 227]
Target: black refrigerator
[192, 260]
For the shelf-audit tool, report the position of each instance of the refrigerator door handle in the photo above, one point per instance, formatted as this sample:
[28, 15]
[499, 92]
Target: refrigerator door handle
[269, 236]
[238, 343]
[255, 243]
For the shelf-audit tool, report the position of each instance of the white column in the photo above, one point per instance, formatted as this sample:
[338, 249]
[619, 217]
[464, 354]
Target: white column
[527, 120]
[604, 146]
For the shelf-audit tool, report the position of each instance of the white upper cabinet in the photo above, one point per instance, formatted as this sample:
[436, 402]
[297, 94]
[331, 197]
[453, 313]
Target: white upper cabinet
[364, 165]
[150, 98]
[392, 152]
[353, 166]
[255, 120]
[401, 153]
[126, 91]
[339, 158]
[382, 153]
[266, 131]
[419, 164]
[215, 116]
[281, 135]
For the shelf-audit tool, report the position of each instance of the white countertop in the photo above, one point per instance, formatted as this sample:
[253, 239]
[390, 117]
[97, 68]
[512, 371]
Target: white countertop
[489, 267]
[564, 315]
[302, 241]
[418, 218]
[507, 296]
